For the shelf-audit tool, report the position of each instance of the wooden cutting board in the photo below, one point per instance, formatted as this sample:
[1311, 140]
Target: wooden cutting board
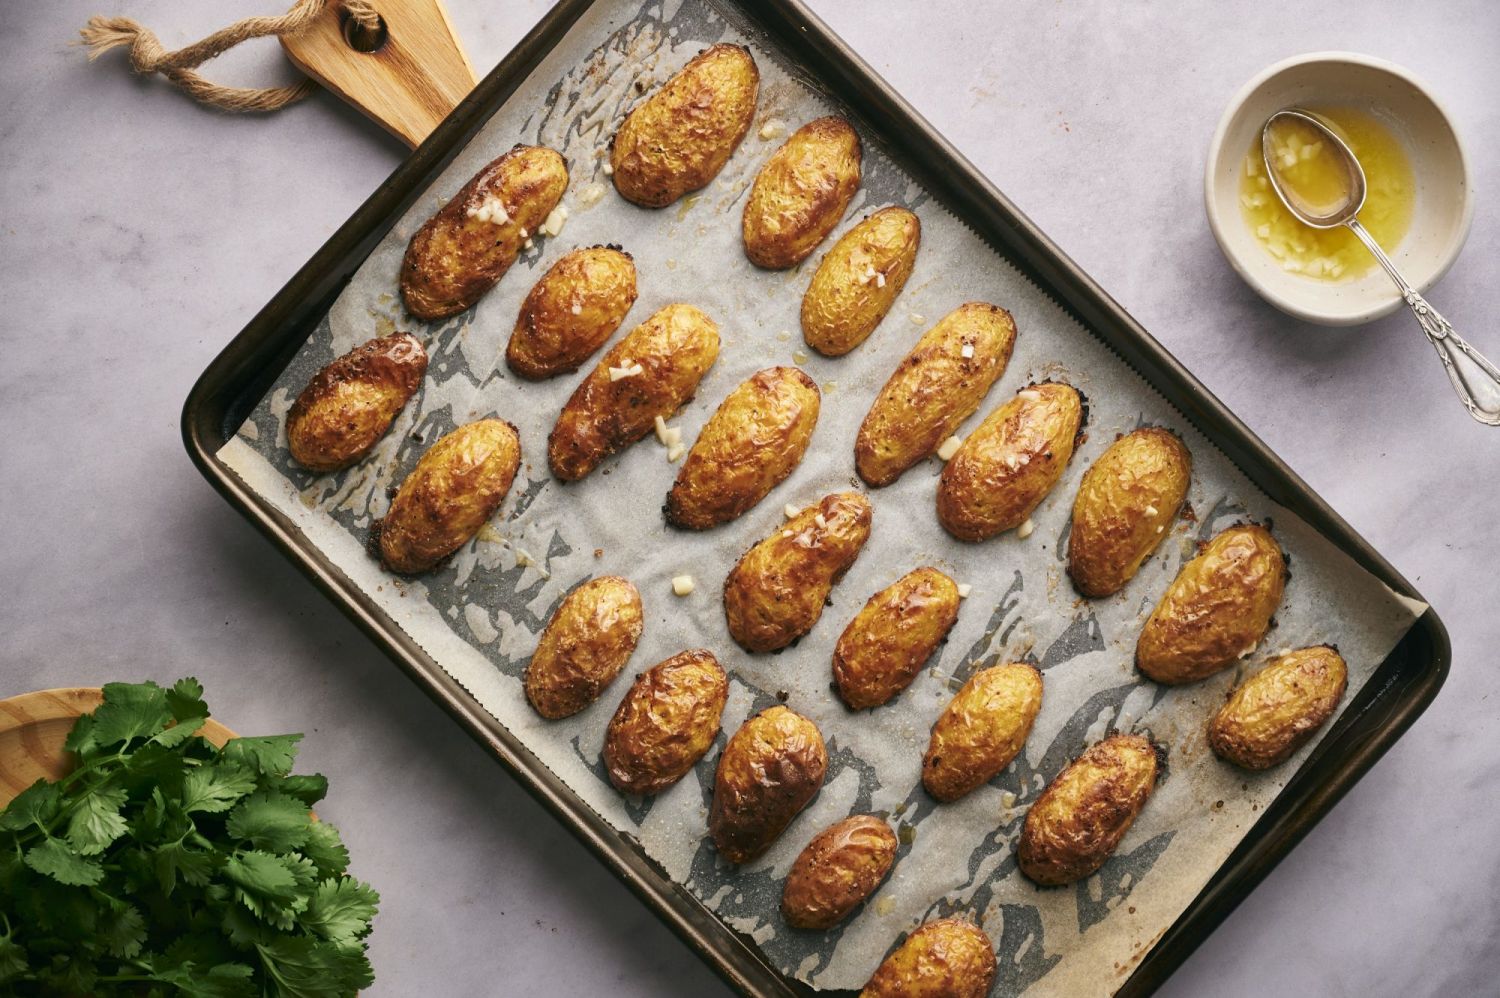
[407, 75]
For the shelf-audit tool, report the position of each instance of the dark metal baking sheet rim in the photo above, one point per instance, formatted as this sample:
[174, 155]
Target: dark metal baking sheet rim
[1400, 689]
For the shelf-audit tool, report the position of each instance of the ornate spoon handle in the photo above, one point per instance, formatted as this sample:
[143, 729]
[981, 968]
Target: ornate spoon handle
[1474, 377]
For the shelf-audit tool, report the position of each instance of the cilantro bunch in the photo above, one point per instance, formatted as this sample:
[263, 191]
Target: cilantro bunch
[163, 866]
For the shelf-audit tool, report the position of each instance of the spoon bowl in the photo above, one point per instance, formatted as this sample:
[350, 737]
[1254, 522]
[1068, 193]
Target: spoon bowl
[1325, 215]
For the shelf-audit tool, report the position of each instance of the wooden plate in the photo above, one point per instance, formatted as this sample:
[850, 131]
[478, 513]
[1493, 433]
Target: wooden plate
[34, 726]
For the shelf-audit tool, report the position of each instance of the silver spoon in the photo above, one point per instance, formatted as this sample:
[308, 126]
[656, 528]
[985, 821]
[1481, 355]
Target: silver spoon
[1476, 380]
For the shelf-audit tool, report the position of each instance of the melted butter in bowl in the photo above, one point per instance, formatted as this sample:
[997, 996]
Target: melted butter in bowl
[1315, 177]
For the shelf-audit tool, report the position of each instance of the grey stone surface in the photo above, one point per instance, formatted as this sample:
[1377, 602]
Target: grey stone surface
[139, 233]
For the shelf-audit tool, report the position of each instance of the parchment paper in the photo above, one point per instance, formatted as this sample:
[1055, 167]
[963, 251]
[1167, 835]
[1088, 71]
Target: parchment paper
[479, 614]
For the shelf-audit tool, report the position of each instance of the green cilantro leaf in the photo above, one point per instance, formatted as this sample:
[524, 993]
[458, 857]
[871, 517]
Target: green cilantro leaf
[270, 756]
[179, 732]
[185, 699]
[37, 805]
[305, 968]
[130, 710]
[215, 788]
[96, 820]
[174, 859]
[262, 874]
[123, 931]
[53, 858]
[13, 962]
[270, 820]
[326, 849]
[309, 788]
[341, 910]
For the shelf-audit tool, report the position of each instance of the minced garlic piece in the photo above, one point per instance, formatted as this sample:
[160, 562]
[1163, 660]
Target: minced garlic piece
[674, 452]
[1029, 394]
[880, 280]
[967, 353]
[772, 129]
[661, 430]
[790, 510]
[682, 585]
[917, 320]
[1025, 529]
[609, 170]
[491, 209]
[964, 589]
[949, 448]
[577, 309]
[625, 371]
[1151, 510]
[821, 521]
[786, 533]
[555, 219]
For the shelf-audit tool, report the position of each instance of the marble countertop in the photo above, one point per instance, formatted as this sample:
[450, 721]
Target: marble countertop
[141, 232]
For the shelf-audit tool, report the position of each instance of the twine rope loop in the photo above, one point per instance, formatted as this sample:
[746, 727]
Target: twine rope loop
[148, 55]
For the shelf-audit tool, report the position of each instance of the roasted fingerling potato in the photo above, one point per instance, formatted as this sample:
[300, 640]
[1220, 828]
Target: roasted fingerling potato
[933, 390]
[754, 440]
[1217, 609]
[584, 646]
[666, 723]
[776, 593]
[1006, 467]
[983, 728]
[653, 371]
[1079, 820]
[1274, 712]
[945, 958]
[1125, 507]
[893, 636]
[837, 871]
[801, 193]
[454, 489]
[858, 280]
[769, 771]
[571, 311]
[681, 136]
[464, 250]
[350, 404]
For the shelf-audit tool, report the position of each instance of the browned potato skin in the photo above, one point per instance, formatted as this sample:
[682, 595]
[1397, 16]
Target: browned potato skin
[1079, 820]
[801, 193]
[839, 869]
[681, 137]
[675, 348]
[350, 404]
[768, 772]
[981, 730]
[1114, 529]
[549, 339]
[893, 636]
[1278, 709]
[754, 440]
[946, 958]
[776, 592]
[1010, 462]
[666, 723]
[456, 486]
[843, 305]
[584, 646]
[1217, 609]
[454, 259]
[933, 390]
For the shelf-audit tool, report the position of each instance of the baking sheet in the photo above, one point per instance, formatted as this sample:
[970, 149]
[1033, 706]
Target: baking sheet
[478, 616]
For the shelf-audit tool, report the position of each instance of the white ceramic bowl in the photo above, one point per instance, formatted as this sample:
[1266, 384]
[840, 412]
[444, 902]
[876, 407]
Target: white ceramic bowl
[1444, 203]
